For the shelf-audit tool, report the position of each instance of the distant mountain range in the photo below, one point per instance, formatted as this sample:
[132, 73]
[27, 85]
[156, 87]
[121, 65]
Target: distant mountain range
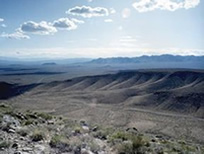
[43, 61]
[145, 59]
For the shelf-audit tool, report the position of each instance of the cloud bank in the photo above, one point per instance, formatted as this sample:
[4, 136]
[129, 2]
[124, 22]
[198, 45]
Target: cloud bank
[42, 28]
[170, 5]
[16, 35]
[88, 12]
[66, 23]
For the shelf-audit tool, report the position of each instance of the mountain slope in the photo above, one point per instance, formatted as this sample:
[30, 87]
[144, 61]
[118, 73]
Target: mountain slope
[8, 90]
[175, 91]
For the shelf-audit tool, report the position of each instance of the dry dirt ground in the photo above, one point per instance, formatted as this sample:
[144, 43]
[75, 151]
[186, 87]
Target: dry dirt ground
[158, 102]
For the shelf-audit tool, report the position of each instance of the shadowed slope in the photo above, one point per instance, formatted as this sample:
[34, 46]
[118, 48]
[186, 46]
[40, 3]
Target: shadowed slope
[8, 90]
[177, 91]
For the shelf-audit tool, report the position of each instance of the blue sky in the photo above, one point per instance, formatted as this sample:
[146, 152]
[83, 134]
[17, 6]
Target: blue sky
[100, 28]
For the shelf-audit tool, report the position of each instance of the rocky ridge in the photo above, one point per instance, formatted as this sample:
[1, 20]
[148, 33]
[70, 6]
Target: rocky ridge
[41, 133]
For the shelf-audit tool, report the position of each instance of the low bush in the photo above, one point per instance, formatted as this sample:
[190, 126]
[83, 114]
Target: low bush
[4, 144]
[23, 132]
[37, 136]
[45, 116]
[58, 140]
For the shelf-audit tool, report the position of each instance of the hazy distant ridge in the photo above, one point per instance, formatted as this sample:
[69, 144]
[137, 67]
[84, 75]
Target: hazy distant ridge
[142, 59]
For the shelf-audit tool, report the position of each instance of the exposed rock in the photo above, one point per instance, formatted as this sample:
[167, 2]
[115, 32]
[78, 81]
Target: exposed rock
[41, 149]
[11, 131]
[94, 129]
[132, 130]
[9, 120]
[85, 151]
[15, 146]
[70, 137]
[50, 122]
[85, 128]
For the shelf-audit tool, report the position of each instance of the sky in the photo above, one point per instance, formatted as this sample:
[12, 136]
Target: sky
[100, 28]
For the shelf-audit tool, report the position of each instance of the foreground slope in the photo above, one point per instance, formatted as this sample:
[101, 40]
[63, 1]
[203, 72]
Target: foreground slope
[41, 133]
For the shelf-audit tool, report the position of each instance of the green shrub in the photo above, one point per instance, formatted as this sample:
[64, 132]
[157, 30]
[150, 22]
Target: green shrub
[23, 132]
[137, 142]
[4, 144]
[125, 148]
[94, 147]
[58, 141]
[45, 116]
[121, 135]
[5, 108]
[29, 122]
[37, 136]
[100, 134]
[130, 144]
[77, 130]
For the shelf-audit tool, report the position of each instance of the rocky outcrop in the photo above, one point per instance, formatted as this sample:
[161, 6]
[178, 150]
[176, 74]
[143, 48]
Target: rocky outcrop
[41, 133]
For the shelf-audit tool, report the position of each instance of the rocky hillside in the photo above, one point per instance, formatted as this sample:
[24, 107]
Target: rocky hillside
[40, 133]
[175, 91]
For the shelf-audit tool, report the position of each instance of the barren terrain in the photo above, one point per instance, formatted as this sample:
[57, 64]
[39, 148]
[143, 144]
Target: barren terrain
[168, 102]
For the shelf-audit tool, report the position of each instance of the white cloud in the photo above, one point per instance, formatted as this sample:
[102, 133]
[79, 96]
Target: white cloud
[108, 20]
[88, 12]
[1, 19]
[42, 28]
[3, 25]
[16, 35]
[170, 5]
[64, 23]
[77, 21]
[112, 11]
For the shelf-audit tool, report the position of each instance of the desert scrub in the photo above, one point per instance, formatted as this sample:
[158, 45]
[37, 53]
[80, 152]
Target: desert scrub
[75, 142]
[77, 130]
[188, 148]
[58, 141]
[44, 116]
[94, 147]
[29, 122]
[100, 135]
[128, 143]
[4, 144]
[103, 134]
[37, 135]
[125, 148]
[5, 108]
[23, 132]
[121, 135]
[134, 146]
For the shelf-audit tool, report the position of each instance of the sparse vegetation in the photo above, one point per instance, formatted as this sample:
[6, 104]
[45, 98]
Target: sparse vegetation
[23, 132]
[72, 136]
[58, 141]
[128, 143]
[37, 135]
[4, 144]
[44, 116]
